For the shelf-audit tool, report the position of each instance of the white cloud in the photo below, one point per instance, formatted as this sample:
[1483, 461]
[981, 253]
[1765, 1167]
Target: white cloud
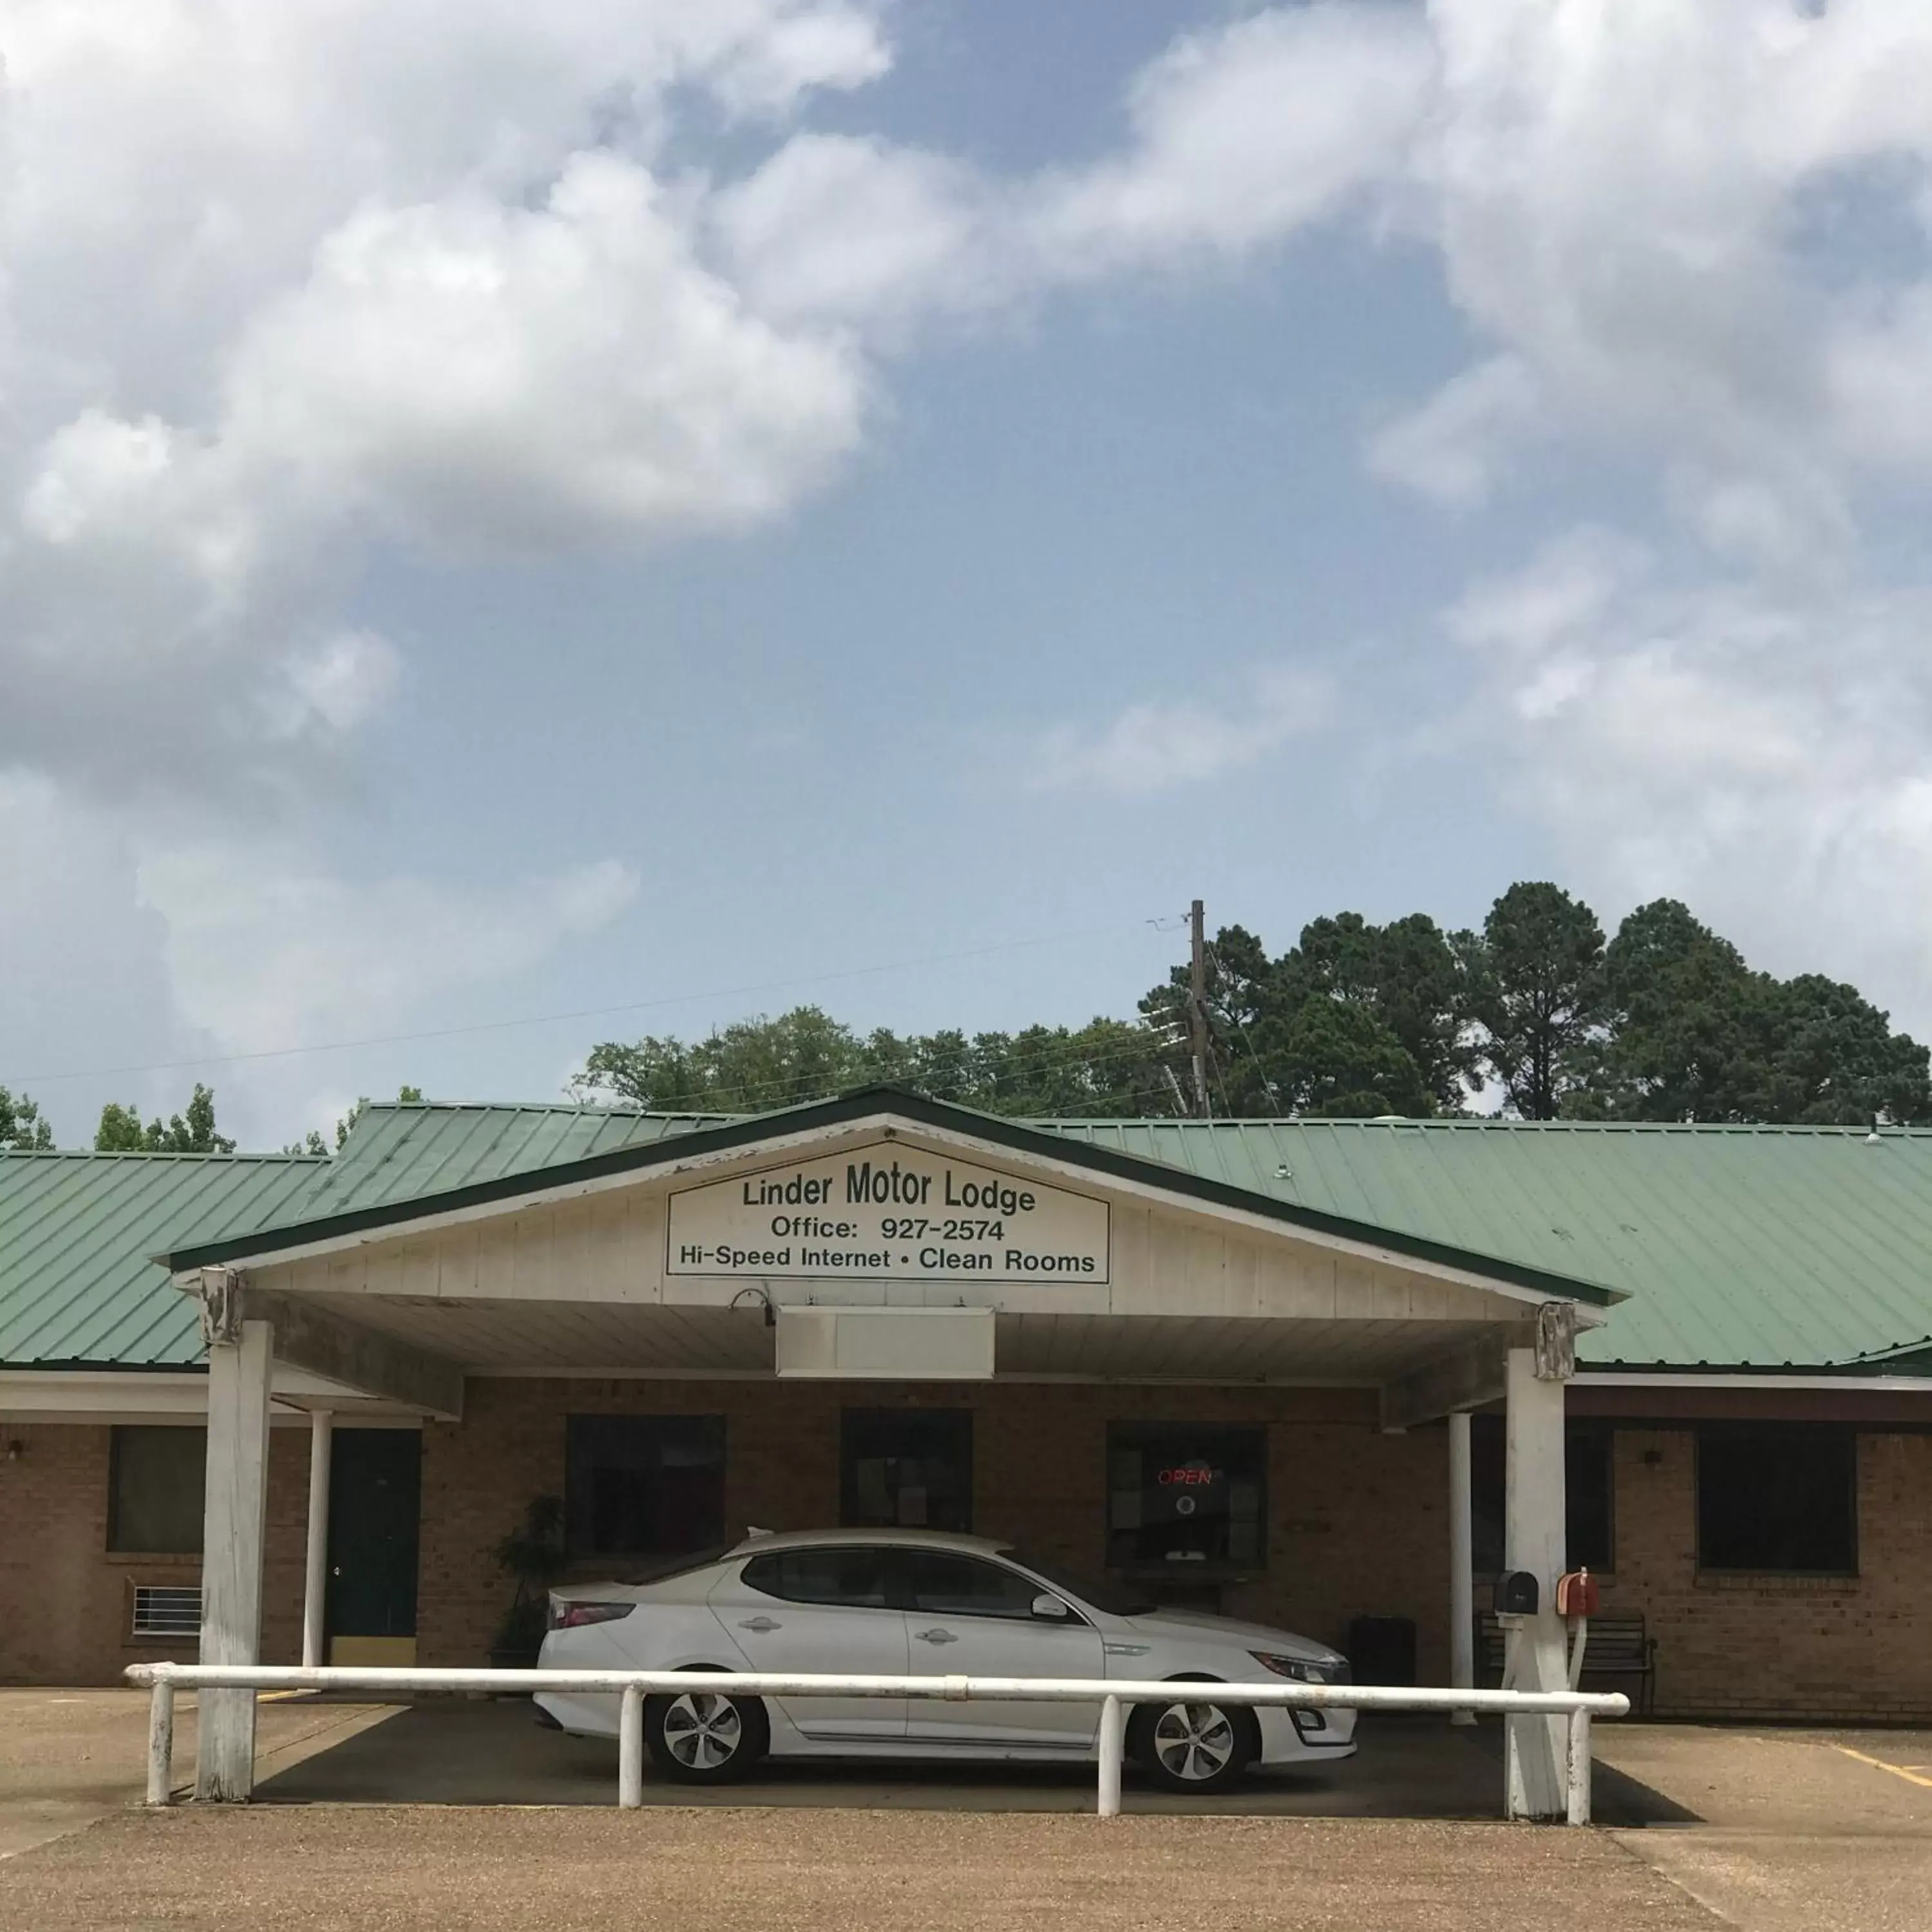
[344, 683]
[1454, 448]
[266, 951]
[476, 374]
[855, 230]
[344, 272]
[1619, 194]
[1242, 136]
[1236, 139]
[1766, 757]
[1152, 748]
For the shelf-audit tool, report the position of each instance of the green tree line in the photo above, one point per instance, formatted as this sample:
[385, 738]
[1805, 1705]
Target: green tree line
[1538, 1015]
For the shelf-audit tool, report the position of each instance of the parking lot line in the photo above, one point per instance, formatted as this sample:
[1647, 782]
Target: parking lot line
[1903, 1771]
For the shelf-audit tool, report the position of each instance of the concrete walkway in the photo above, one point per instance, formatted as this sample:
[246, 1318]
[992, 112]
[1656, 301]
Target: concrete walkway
[320, 1869]
[1795, 1830]
[1765, 1831]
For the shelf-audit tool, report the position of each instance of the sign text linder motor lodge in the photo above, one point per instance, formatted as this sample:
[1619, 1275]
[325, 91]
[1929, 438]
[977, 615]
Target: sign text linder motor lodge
[889, 1214]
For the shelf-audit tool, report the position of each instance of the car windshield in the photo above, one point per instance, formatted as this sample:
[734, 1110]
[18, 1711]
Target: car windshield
[1102, 1595]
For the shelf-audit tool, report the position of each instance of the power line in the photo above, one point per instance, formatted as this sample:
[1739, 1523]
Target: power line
[551, 1019]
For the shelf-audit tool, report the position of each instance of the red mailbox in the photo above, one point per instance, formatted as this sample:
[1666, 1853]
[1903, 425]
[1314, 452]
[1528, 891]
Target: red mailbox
[1576, 1595]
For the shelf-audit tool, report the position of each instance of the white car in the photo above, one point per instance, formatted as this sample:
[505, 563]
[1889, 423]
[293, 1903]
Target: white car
[901, 1602]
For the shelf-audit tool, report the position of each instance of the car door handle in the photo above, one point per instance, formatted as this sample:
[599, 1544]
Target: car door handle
[935, 1636]
[760, 1624]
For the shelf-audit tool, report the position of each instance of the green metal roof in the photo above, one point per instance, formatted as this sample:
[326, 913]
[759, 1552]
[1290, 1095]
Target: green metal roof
[1760, 1246]
[402, 1150]
[366, 1200]
[77, 1285]
[1766, 1247]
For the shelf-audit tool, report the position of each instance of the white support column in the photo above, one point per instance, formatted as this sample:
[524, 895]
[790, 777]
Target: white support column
[1461, 1564]
[315, 1583]
[1533, 1538]
[239, 1360]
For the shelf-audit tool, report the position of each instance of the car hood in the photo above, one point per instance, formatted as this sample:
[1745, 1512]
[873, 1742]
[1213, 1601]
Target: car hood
[1184, 1624]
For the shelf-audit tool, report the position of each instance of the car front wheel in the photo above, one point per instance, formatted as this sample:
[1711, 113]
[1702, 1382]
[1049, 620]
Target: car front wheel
[1199, 1747]
[701, 1737]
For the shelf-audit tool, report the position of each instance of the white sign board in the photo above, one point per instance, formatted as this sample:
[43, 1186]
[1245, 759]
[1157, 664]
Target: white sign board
[888, 1212]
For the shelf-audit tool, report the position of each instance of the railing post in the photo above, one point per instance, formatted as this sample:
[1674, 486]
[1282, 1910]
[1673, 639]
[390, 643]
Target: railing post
[160, 1742]
[1113, 1741]
[631, 1748]
[1578, 1812]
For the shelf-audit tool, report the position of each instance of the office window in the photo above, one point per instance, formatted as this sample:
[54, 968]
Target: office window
[1778, 1497]
[156, 1479]
[1589, 1486]
[906, 1469]
[643, 1485]
[1181, 1497]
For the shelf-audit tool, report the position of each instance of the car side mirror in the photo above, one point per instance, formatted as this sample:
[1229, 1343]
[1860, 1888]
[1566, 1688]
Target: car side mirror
[1051, 1608]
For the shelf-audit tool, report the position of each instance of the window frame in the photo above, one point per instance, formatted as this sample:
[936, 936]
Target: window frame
[120, 1435]
[1489, 1456]
[577, 1514]
[1213, 1569]
[1846, 1433]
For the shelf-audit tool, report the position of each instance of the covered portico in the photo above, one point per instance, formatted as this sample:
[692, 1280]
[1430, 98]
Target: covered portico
[890, 1242]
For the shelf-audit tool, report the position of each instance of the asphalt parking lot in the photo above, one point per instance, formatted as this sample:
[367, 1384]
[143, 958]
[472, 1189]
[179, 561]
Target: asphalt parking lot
[465, 1815]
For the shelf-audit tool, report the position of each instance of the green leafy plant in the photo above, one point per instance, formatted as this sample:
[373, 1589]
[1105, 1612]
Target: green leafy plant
[534, 1554]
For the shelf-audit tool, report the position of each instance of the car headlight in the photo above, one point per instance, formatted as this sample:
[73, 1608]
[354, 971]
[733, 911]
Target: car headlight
[1304, 1670]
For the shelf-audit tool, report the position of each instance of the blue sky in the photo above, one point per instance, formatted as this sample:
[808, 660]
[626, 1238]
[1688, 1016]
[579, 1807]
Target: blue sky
[513, 515]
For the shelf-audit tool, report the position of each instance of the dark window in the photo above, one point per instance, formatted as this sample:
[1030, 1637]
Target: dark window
[156, 1482]
[856, 1578]
[941, 1584]
[1778, 1497]
[1589, 1495]
[643, 1485]
[1178, 1495]
[901, 1469]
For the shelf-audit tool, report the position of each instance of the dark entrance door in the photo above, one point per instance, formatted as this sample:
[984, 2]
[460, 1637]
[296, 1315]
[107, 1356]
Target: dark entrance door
[375, 1492]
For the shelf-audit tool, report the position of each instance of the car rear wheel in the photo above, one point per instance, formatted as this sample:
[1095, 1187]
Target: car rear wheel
[701, 1737]
[1199, 1747]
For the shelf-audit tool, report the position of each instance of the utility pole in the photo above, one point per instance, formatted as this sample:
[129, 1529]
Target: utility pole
[1198, 1003]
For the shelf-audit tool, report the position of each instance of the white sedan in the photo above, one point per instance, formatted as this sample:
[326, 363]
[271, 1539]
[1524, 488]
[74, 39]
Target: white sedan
[901, 1602]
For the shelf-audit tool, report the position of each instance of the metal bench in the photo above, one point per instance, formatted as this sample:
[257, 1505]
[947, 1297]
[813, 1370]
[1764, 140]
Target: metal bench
[1619, 1646]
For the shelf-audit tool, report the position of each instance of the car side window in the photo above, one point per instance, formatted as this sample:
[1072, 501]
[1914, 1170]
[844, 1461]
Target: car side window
[942, 1584]
[837, 1573]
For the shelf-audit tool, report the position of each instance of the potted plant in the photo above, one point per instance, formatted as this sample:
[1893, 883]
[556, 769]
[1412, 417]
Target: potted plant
[534, 1554]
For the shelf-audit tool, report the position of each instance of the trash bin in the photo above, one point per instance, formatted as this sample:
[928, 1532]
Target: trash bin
[1382, 1650]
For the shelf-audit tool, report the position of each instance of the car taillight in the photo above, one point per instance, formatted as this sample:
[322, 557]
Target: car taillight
[572, 1616]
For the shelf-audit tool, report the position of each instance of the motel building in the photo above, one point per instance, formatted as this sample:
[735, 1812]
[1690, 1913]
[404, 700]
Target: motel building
[1331, 1375]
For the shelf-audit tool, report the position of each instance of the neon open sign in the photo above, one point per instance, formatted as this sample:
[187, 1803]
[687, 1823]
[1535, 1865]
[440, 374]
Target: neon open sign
[1191, 1475]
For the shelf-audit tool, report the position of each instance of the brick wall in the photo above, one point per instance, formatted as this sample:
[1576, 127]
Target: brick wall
[1039, 1476]
[1779, 1647]
[66, 1603]
[1357, 1525]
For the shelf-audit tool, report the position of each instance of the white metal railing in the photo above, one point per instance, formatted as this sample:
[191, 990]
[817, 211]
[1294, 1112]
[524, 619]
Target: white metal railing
[633, 1687]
